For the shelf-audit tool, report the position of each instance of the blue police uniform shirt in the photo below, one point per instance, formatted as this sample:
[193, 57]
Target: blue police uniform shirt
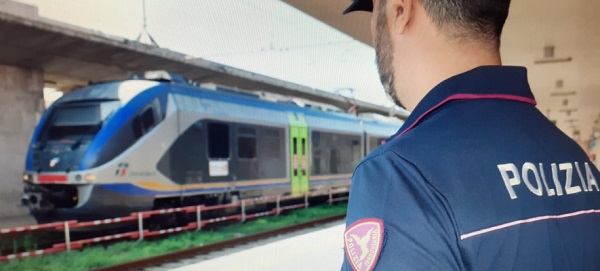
[476, 179]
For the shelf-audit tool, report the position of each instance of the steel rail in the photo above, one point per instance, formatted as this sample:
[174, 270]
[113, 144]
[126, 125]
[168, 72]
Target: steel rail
[204, 249]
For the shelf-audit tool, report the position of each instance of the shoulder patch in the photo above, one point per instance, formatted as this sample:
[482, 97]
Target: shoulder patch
[363, 241]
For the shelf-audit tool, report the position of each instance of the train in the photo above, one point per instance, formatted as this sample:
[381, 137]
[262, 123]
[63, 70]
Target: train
[158, 140]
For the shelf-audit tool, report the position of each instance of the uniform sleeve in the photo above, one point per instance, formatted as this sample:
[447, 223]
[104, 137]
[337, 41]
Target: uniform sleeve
[419, 233]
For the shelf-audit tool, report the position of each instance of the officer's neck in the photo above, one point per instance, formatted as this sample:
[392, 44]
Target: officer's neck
[435, 59]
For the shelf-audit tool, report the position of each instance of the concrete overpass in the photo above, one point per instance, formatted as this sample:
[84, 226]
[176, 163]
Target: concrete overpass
[71, 56]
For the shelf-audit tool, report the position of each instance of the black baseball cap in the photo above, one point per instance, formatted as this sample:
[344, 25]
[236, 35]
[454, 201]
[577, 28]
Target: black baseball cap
[366, 5]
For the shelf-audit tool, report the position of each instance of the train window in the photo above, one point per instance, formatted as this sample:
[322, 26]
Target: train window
[73, 123]
[247, 131]
[269, 132]
[137, 128]
[334, 161]
[315, 168]
[73, 132]
[316, 139]
[271, 162]
[131, 130]
[218, 140]
[77, 116]
[147, 119]
[334, 153]
[295, 153]
[246, 147]
[270, 143]
[246, 143]
[302, 160]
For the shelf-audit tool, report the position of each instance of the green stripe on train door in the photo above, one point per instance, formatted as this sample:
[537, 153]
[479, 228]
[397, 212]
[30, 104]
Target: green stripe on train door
[299, 153]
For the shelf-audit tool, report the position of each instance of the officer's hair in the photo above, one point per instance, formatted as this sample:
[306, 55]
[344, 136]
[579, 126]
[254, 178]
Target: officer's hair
[478, 20]
[472, 19]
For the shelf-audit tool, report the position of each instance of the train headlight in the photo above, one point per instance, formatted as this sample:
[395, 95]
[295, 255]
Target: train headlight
[26, 177]
[89, 178]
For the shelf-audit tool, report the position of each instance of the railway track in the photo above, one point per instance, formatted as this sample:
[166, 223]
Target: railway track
[195, 251]
[31, 241]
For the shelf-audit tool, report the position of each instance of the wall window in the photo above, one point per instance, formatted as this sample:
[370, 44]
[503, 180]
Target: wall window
[218, 141]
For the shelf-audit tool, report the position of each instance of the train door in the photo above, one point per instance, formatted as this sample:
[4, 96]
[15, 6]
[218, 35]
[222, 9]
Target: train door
[299, 153]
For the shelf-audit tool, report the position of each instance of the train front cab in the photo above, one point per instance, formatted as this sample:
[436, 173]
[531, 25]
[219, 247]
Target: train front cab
[74, 145]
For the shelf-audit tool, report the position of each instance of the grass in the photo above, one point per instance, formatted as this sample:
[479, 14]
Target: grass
[27, 242]
[96, 257]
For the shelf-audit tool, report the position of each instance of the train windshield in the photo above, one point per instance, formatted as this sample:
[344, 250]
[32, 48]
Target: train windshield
[74, 123]
[77, 122]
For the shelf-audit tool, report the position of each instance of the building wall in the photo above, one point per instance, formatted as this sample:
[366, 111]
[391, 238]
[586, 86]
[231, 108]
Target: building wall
[595, 153]
[21, 105]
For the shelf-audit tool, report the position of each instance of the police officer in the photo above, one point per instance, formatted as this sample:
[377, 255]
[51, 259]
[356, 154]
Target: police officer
[477, 178]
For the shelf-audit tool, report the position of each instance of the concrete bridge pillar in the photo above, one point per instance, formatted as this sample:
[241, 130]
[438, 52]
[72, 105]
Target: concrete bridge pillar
[21, 105]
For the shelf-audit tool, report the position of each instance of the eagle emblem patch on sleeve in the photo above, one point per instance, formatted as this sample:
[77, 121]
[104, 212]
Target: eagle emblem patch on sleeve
[363, 241]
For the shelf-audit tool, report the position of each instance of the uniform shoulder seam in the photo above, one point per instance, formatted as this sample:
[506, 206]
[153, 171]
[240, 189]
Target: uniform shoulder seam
[448, 207]
[384, 153]
[375, 156]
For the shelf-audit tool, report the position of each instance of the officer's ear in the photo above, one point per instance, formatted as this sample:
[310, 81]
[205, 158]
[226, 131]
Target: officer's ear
[401, 13]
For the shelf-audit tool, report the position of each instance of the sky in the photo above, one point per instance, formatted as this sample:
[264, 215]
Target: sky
[263, 36]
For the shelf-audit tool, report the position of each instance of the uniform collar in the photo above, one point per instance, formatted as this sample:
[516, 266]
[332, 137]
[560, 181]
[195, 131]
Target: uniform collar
[485, 82]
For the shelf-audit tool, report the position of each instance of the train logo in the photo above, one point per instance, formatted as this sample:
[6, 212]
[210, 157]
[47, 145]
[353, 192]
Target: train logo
[54, 161]
[121, 169]
[364, 240]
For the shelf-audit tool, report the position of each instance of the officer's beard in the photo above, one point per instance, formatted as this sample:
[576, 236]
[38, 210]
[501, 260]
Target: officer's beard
[384, 56]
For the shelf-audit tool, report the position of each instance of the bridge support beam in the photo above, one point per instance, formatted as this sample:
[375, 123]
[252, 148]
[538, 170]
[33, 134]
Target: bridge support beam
[21, 105]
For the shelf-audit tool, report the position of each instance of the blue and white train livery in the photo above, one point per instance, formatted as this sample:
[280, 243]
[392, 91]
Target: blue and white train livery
[114, 148]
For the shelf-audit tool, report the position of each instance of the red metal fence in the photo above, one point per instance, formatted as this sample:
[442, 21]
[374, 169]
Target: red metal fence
[140, 217]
